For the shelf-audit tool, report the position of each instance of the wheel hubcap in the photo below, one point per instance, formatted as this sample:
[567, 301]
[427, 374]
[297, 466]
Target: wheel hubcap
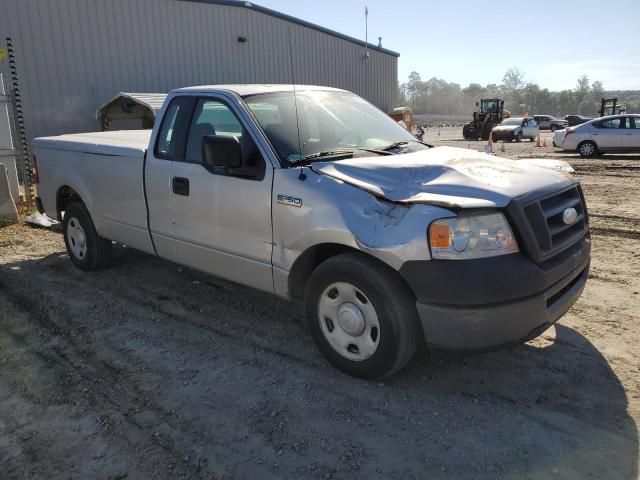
[349, 321]
[77, 239]
[587, 149]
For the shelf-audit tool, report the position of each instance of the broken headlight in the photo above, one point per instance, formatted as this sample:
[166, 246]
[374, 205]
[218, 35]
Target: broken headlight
[471, 236]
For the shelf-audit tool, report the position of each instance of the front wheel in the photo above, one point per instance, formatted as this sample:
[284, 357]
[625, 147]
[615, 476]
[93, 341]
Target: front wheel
[87, 250]
[587, 149]
[362, 316]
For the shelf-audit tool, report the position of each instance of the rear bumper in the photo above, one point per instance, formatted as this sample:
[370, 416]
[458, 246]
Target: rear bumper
[492, 305]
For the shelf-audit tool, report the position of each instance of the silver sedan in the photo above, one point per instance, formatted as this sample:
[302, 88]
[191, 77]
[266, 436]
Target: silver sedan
[614, 133]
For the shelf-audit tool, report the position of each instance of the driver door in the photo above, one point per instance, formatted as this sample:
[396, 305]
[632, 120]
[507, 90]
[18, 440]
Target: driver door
[222, 223]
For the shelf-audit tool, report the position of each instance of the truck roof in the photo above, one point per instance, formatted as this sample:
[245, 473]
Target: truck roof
[245, 90]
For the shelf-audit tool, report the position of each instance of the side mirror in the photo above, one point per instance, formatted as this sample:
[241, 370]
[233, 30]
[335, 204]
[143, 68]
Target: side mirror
[221, 151]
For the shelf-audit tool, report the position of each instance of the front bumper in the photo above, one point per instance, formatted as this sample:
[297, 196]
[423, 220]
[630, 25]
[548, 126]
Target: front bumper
[503, 135]
[494, 302]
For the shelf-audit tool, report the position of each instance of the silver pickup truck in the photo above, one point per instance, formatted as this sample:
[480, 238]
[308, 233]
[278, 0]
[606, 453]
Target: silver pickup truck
[312, 193]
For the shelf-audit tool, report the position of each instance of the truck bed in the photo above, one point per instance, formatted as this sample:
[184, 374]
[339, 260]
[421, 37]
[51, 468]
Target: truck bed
[106, 170]
[122, 142]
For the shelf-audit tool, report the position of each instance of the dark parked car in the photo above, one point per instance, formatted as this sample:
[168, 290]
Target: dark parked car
[576, 119]
[548, 122]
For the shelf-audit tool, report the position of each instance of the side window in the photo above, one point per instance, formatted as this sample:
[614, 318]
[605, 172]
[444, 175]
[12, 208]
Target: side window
[213, 117]
[634, 122]
[171, 136]
[611, 123]
[165, 136]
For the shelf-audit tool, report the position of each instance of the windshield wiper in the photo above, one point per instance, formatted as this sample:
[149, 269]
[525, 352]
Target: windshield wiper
[313, 157]
[322, 155]
[394, 145]
[402, 144]
[377, 151]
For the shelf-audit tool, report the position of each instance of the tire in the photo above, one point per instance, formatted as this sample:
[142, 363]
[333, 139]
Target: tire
[494, 138]
[532, 139]
[553, 128]
[519, 137]
[87, 250]
[362, 316]
[588, 149]
[467, 132]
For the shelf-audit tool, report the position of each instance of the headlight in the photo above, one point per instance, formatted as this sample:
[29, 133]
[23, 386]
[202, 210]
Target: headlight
[471, 236]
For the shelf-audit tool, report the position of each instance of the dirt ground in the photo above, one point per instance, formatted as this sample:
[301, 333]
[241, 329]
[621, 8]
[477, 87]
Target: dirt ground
[147, 370]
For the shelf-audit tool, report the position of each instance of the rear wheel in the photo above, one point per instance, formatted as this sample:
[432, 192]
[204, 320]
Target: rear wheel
[362, 316]
[553, 128]
[588, 149]
[519, 137]
[87, 250]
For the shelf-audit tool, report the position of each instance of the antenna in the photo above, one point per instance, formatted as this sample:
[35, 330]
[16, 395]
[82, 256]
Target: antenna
[302, 175]
[366, 51]
[366, 31]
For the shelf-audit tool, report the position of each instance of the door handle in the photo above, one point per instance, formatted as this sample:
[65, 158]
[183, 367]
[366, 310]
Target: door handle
[180, 186]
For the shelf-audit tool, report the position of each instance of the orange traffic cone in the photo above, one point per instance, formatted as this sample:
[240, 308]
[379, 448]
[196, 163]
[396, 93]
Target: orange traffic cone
[538, 140]
[544, 144]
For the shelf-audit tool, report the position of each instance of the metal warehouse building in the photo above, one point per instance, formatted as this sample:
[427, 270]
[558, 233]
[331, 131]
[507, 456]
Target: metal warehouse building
[74, 55]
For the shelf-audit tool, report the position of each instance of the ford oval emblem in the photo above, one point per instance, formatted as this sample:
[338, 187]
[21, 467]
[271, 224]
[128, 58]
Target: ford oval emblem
[569, 216]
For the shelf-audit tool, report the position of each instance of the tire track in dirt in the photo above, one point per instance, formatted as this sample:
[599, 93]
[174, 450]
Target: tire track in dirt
[615, 232]
[98, 385]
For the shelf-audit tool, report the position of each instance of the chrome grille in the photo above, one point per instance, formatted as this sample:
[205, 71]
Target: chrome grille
[541, 226]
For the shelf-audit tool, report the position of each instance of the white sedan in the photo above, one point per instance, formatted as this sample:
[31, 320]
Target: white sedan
[614, 133]
[515, 128]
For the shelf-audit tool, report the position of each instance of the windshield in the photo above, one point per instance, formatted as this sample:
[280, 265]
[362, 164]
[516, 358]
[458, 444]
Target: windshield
[328, 122]
[489, 106]
[512, 121]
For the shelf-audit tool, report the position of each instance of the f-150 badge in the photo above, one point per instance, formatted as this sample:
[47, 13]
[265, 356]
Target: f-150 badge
[289, 200]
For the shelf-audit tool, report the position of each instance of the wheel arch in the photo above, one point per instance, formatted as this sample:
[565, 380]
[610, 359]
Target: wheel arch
[315, 255]
[65, 196]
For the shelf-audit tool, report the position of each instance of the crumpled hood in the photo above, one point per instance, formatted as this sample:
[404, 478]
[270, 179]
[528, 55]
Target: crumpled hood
[447, 176]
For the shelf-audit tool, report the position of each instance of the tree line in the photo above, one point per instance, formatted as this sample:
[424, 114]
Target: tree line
[439, 97]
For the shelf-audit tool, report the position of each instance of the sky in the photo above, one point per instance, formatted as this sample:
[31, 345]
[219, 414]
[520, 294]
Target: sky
[462, 41]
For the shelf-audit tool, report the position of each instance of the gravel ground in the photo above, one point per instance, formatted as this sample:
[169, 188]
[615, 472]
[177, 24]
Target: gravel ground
[147, 370]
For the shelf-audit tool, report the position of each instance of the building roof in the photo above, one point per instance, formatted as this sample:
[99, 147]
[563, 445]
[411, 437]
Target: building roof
[289, 18]
[245, 90]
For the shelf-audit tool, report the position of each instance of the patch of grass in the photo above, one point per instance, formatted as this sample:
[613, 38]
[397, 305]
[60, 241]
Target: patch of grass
[4, 221]
[11, 242]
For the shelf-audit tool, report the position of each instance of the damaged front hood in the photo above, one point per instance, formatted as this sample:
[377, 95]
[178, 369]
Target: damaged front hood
[446, 176]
